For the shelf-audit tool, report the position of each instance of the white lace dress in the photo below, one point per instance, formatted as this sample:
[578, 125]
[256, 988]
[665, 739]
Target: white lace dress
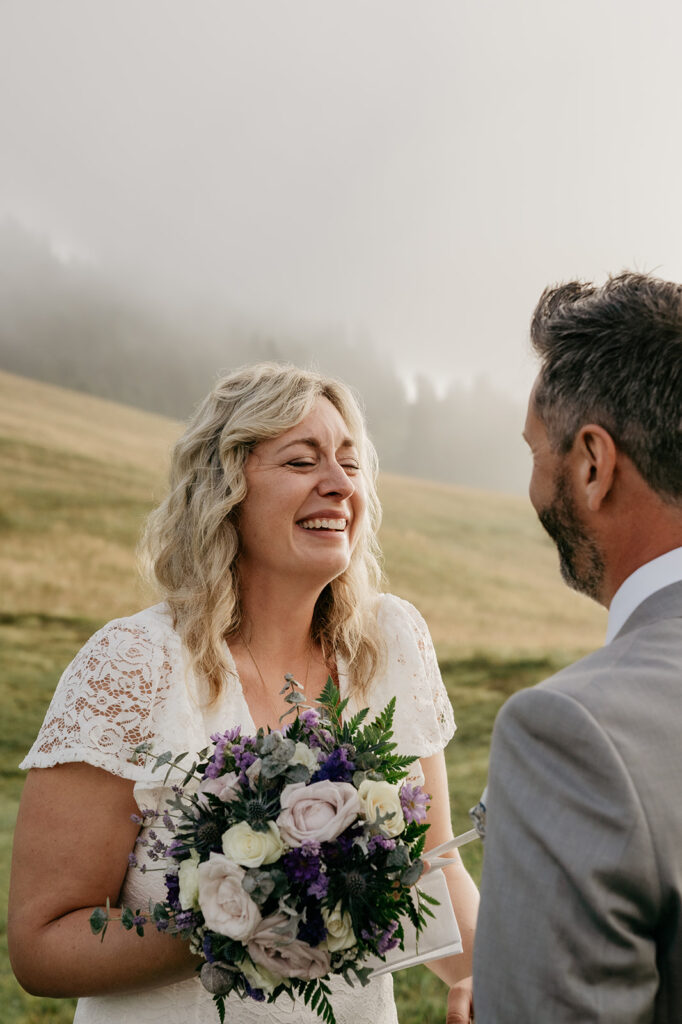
[131, 682]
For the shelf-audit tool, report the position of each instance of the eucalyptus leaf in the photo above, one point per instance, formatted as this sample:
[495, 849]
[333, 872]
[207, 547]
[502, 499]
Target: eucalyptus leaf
[98, 920]
[413, 873]
[162, 759]
[398, 857]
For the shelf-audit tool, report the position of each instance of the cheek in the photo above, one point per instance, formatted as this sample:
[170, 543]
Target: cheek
[359, 507]
[539, 489]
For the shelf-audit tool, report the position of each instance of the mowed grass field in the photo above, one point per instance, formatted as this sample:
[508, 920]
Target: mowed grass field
[77, 478]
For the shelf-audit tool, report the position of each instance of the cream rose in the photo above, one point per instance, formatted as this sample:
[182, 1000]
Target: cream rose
[340, 934]
[188, 880]
[305, 756]
[268, 947]
[249, 848]
[384, 799]
[318, 812]
[226, 907]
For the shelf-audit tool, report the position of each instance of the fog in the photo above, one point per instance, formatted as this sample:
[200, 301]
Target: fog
[88, 332]
[378, 186]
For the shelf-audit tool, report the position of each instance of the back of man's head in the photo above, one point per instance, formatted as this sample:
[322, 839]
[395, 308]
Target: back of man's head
[613, 356]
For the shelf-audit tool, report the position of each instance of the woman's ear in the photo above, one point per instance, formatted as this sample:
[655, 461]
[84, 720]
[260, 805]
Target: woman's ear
[594, 455]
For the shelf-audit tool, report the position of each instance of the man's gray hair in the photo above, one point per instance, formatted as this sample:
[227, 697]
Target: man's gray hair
[613, 356]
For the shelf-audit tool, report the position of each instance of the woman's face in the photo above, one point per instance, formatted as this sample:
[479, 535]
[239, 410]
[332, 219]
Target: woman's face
[305, 502]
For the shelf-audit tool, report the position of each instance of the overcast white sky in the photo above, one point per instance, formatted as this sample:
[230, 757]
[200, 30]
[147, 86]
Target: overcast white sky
[412, 171]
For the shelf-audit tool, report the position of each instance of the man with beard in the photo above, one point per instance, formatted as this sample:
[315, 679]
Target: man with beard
[581, 909]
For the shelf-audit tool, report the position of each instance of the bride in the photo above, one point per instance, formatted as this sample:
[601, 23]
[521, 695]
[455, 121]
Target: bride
[265, 552]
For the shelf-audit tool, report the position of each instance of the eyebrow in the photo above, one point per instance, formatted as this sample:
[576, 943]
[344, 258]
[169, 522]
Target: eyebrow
[312, 442]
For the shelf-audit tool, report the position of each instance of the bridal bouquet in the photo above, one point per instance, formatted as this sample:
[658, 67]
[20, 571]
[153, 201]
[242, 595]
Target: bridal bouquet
[294, 854]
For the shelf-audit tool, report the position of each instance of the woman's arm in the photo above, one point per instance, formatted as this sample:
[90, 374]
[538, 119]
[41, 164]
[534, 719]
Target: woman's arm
[455, 971]
[73, 836]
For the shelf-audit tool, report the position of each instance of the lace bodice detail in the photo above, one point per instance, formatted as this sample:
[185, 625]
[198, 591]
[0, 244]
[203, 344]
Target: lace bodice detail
[133, 681]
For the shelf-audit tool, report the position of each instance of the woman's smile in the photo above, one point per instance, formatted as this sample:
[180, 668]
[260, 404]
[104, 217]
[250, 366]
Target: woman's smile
[305, 500]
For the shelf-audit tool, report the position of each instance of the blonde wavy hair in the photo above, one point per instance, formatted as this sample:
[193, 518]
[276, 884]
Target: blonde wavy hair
[191, 542]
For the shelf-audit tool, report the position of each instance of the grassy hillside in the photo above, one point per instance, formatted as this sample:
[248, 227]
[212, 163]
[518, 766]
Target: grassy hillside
[77, 477]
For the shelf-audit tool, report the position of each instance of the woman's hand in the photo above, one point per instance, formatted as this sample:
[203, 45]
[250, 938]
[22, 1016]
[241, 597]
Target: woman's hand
[460, 1003]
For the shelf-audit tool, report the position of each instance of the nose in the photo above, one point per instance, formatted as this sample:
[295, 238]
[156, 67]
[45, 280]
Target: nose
[335, 481]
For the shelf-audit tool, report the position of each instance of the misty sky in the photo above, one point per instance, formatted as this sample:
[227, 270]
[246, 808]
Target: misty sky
[410, 172]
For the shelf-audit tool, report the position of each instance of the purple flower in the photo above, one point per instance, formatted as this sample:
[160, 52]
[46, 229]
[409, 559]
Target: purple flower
[337, 851]
[379, 842]
[231, 736]
[310, 718]
[387, 941]
[132, 860]
[216, 761]
[320, 737]
[175, 848]
[208, 949]
[338, 767]
[302, 864]
[413, 801]
[185, 919]
[243, 758]
[255, 993]
[319, 887]
[311, 927]
[173, 890]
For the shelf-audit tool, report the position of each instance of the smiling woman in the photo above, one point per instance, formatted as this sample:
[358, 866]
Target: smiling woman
[265, 552]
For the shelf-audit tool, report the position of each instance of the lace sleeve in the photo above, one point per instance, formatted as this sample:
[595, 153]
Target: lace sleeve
[423, 722]
[104, 703]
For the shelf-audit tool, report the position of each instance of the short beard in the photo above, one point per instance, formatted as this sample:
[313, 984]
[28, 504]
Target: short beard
[580, 560]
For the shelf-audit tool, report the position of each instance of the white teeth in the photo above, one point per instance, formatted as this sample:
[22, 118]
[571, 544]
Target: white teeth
[323, 524]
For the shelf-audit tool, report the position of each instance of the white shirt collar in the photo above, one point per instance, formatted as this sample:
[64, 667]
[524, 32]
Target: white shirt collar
[643, 582]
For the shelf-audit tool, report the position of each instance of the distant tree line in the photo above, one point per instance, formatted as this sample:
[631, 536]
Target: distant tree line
[66, 323]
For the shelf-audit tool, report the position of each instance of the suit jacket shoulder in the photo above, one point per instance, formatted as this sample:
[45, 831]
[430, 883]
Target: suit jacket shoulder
[582, 880]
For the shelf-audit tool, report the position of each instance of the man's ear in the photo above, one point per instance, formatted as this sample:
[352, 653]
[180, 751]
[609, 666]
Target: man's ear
[595, 459]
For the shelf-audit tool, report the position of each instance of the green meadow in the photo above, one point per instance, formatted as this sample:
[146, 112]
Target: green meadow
[77, 477]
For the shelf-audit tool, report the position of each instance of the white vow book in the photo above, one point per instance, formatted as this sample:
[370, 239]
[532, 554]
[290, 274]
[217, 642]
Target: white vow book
[439, 938]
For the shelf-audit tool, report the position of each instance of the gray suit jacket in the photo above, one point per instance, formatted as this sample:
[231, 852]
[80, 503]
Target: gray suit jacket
[581, 895]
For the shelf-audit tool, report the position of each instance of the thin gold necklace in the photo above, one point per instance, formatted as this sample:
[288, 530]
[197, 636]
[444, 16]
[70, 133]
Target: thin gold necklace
[260, 674]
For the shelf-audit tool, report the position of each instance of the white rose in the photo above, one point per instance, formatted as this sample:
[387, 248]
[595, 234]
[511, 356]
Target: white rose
[226, 907]
[188, 879]
[384, 799]
[261, 977]
[249, 848]
[340, 934]
[305, 756]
